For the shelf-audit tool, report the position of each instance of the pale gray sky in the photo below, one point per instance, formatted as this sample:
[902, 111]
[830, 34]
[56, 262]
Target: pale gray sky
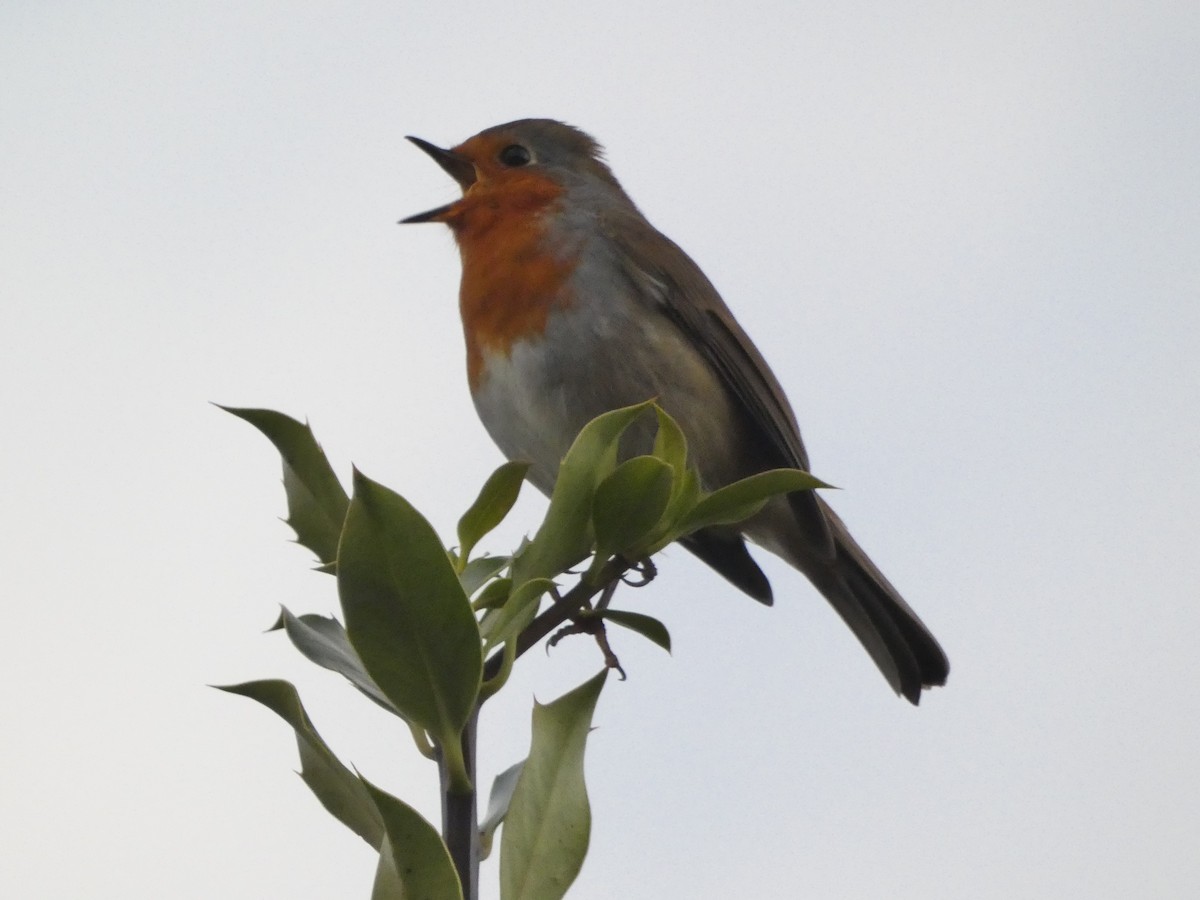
[965, 236]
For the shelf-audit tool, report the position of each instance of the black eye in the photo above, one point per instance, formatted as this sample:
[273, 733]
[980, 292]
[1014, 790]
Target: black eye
[514, 155]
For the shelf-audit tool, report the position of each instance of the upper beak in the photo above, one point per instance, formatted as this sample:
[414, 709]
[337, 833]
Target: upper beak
[457, 167]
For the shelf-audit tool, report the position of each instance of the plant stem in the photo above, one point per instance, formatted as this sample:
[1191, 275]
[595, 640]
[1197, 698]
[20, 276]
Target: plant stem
[460, 828]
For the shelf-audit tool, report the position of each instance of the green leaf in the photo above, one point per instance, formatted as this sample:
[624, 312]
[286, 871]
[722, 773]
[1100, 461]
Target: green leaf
[742, 499]
[494, 595]
[565, 536]
[549, 820]
[685, 494]
[647, 626]
[339, 790]
[323, 641]
[417, 859]
[387, 884]
[516, 613]
[502, 791]
[629, 503]
[316, 500]
[479, 572]
[670, 445]
[497, 497]
[407, 616]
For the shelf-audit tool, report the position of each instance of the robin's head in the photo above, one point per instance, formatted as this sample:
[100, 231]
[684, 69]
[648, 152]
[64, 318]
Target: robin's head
[529, 156]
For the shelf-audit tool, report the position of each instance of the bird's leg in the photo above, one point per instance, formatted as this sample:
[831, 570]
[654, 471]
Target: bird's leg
[593, 625]
[585, 621]
[606, 595]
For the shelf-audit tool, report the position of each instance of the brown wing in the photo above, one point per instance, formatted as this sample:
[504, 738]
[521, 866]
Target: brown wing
[666, 275]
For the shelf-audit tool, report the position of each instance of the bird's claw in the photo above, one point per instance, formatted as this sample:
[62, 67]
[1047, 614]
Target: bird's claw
[594, 626]
[645, 571]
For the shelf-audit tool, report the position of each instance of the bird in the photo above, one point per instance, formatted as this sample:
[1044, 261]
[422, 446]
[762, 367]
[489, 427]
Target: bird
[573, 305]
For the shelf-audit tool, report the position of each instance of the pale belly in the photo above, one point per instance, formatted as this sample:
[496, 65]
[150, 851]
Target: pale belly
[534, 400]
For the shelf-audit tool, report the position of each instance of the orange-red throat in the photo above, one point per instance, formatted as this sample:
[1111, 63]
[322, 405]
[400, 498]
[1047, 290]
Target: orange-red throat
[514, 273]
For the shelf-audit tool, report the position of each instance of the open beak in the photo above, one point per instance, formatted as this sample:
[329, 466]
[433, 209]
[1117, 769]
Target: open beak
[457, 167]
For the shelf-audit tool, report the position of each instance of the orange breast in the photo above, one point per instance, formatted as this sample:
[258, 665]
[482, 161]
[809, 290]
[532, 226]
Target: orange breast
[514, 272]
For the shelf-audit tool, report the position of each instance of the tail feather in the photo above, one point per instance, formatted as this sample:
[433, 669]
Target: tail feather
[897, 640]
[901, 646]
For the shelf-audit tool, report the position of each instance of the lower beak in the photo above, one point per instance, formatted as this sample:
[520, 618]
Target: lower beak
[457, 167]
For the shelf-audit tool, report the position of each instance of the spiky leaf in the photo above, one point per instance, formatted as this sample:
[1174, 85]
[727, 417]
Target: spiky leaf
[339, 790]
[549, 819]
[323, 640]
[316, 500]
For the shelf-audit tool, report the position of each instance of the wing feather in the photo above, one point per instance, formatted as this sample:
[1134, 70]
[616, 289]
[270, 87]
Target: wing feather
[666, 276]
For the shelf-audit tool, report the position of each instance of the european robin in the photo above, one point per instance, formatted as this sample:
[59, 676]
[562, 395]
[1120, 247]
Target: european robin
[573, 304]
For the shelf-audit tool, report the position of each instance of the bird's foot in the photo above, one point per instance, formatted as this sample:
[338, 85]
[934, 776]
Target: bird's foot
[593, 625]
